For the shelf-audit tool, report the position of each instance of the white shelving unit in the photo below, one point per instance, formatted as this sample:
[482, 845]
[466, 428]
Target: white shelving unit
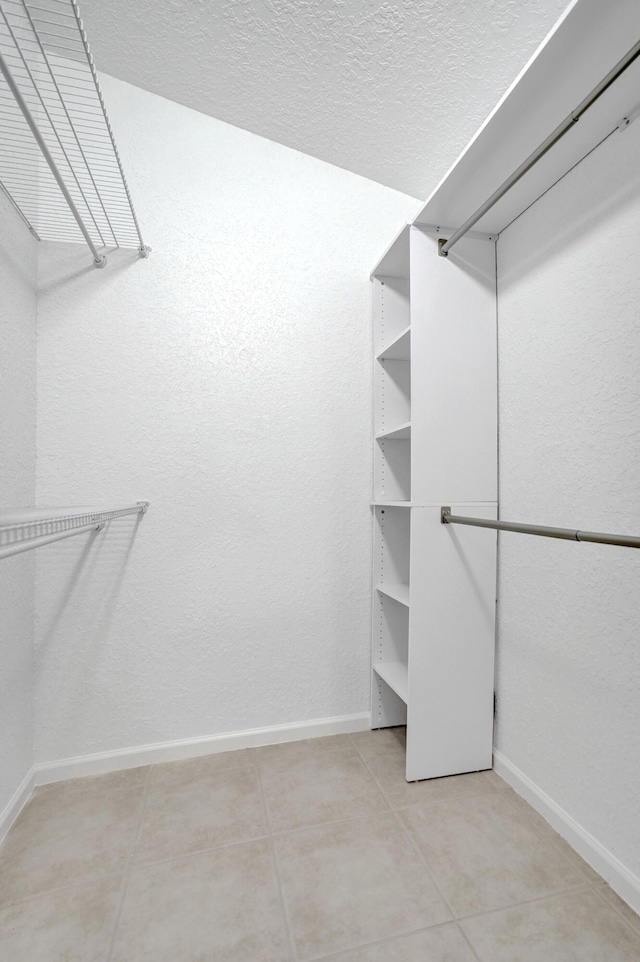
[435, 438]
[435, 393]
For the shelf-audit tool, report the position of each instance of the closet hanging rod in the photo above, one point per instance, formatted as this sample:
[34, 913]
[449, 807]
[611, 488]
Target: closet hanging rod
[544, 531]
[25, 529]
[99, 260]
[444, 246]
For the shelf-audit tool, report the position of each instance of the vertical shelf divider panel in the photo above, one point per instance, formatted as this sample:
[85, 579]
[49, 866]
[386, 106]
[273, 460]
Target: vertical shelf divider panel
[454, 360]
[451, 646]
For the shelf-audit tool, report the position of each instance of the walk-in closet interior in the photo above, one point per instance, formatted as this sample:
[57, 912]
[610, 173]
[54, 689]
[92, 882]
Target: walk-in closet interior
[319, 500]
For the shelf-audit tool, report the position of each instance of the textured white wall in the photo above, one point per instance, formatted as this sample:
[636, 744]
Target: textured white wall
[227, 380]
[17, 487]
[568, 652]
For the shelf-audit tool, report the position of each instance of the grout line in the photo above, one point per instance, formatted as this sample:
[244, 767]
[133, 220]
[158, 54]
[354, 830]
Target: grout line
[556, 844]
[94, 880]
[422, 859]
[356, 817]
[127, 872]
[447, 798]
[276, 869]
[572, 889]
[597, 889]
[201, 851]
[387, 940]
[265, 767]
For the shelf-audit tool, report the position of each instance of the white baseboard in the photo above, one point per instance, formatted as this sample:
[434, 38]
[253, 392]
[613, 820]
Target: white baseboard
[619, 877]
[47, 772]
[15, 805]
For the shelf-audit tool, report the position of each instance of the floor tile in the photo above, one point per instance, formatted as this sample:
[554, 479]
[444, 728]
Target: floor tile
[354, 882]
[495, 781]
[323, 788]
[307, 747]
[484, 854]
[550, 835]
[75, 923]
[624, 910]
[220, 905]
[380, 740]
[389, 771]
[442, 943]
[573, 927]
[195, 805]
[72, 832]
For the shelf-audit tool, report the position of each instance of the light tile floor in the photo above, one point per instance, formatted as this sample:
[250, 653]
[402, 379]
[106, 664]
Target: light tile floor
[305, 851]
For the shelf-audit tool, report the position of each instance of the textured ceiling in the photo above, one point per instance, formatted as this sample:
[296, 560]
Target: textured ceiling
[392, 90]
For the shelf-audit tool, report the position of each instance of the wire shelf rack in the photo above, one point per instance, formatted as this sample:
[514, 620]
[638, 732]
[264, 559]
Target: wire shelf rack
[24, 529]
[59, 164]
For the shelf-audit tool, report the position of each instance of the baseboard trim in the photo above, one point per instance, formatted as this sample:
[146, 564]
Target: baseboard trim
[15, 805]
[99, 764]
[619, 877]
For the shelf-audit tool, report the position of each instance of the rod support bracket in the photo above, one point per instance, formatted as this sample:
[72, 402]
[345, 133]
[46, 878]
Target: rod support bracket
[143, 250]
[100, 262]
[144, 506]
[445, 514]
[441, 242]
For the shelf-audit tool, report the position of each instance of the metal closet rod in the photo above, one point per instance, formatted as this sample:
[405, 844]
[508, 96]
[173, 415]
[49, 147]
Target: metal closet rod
[20, 536]
[544, 531]
[533, 158]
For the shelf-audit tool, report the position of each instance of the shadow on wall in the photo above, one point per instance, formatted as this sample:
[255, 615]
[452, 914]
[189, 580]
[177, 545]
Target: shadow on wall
[68, 263]
[597, 199]
[12, 258]
[87, 589]
[470, 267]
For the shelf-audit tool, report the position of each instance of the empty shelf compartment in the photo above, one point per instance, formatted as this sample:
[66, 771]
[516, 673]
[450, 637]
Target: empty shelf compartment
[396, 676]
[397, 592]
[401, 432]
[399, 349]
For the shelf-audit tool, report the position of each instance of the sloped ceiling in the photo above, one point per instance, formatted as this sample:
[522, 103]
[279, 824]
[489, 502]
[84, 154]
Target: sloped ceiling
[388, 89]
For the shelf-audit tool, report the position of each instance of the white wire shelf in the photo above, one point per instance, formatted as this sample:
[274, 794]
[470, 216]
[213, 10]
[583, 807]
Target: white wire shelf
[26, 528]
[59, 164]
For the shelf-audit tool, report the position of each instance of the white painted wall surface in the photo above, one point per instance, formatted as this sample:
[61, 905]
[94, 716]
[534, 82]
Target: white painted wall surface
[569, 361]
[17, 486]
[227, 380]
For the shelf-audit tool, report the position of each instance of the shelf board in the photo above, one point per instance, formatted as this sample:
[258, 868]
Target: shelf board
[397, 592]
[395, 261]
[592, 37]
[396, 676]
[392, 504]
[399, 349]
[401, 433]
